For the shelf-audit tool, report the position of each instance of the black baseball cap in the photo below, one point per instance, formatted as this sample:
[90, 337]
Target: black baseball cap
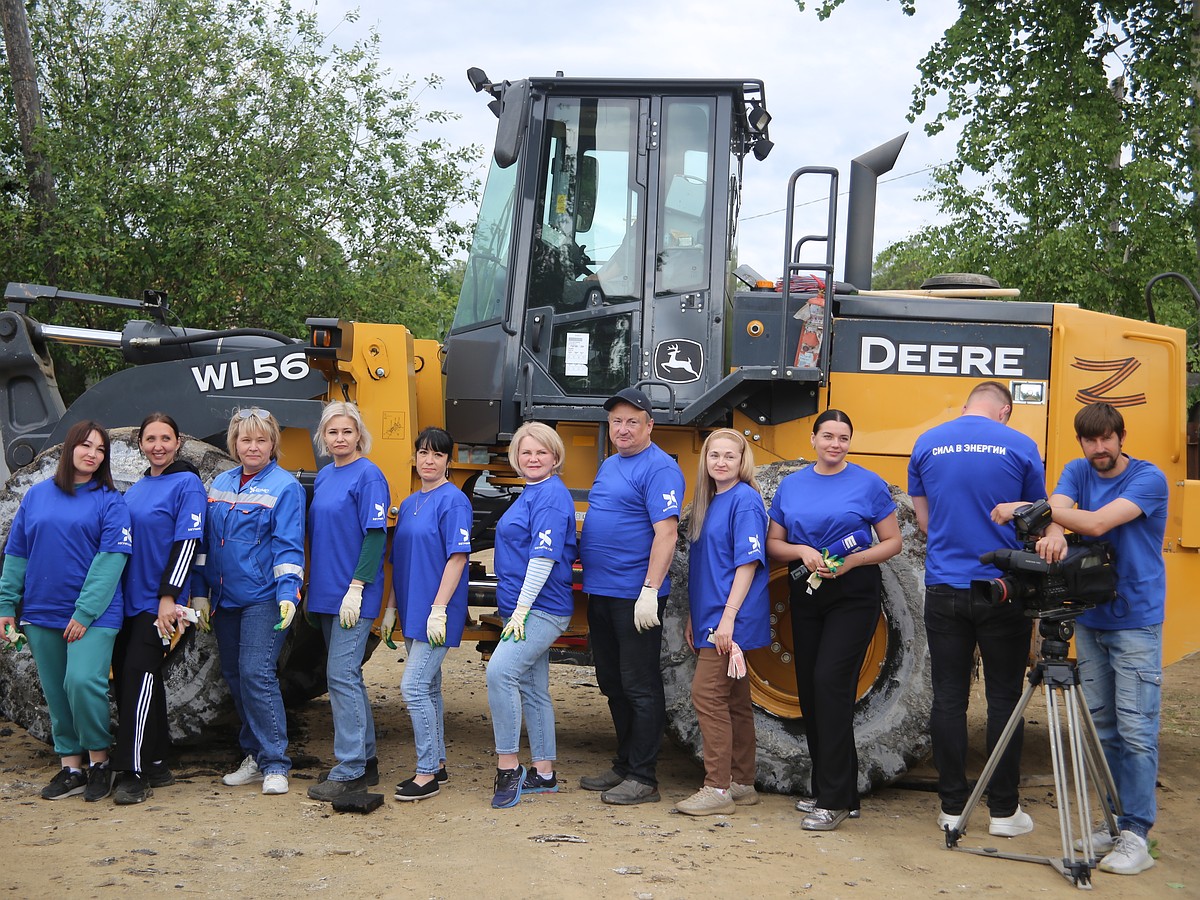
[633, 397]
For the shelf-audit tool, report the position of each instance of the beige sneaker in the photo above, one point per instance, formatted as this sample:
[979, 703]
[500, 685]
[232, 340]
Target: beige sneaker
[707, 801]
[743, 794]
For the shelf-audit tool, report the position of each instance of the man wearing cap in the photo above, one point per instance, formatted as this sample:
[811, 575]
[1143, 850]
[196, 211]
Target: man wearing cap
[628, 541]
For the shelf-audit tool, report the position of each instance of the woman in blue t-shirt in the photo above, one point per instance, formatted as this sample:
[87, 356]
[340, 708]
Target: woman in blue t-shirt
[66, 551]
[166, 508]
[820, 515]
[429, 580]
[347, 523]
[536, 548]
[728, 613]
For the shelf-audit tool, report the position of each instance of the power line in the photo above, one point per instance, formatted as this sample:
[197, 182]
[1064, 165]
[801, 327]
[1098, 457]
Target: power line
[817, 200]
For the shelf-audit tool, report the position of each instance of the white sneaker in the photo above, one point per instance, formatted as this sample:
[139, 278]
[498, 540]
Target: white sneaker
[1102, 840]
[1011, 826]
[275, 783]
[1129, 855]
[246, 773]
[946, 820]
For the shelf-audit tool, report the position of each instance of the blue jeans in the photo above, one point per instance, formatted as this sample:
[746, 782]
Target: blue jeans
[954, 625]
[421, 688]
[1121, 675]
[249, 648]
[353, 724]
[518, 679]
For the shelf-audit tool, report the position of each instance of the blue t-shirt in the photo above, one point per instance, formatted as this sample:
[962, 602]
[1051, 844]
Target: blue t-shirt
[1141, 572]
[430, 528]
[964, 468]
[540, 524]
[630, 494]
[734, 533]
[59, 535]
[820, 510]
[164, 509]
[348, 501]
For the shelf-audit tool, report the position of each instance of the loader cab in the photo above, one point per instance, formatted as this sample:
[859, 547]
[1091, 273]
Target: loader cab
[600, 256]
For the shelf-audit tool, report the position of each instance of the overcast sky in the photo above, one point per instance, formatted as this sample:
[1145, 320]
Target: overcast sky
[835, 89]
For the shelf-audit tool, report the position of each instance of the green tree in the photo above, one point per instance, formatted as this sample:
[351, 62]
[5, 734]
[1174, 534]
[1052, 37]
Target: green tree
[226, 152]
[1078, 166]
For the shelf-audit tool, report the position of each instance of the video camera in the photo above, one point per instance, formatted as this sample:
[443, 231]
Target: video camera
[1086, 578]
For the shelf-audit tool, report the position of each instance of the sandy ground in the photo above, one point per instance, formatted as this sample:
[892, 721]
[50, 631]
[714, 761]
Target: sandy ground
[200, 837]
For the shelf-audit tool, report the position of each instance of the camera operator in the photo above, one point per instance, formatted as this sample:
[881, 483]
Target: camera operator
[1111, 495]
[958, 472]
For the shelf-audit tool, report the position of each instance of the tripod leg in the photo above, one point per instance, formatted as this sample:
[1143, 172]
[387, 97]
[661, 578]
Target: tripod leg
[1058, 766]
[1079, 766]
[1010, 727]
[1110, 800]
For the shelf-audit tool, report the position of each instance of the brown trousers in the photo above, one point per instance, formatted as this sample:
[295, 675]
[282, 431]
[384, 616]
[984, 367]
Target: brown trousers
[726, 721]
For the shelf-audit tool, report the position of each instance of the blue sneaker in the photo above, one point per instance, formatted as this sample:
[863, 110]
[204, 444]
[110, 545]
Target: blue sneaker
[537, 783]
[508, 787]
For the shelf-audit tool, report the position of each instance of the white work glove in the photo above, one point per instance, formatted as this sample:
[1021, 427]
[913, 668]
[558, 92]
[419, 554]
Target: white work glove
[515, 628]
[13, 639]
[388, 626]
[737, 662]
[351, 606]
[435, 626]
[645, 610]
[203, 613]
[287, 612]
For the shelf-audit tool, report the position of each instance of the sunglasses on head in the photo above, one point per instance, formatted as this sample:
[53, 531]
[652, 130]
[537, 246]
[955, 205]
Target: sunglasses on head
[253, 413]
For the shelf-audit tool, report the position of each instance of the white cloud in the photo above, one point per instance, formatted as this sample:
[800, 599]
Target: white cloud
[835, 89]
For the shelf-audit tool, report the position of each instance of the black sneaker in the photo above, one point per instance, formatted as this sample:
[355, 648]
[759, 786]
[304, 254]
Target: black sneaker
[330, 790]
[99, 782]
[372, 773]
[410, 790]
[537, 783]
[131, 788]
[509, 783]
[65, 784]
[442, 775]
[158, 775]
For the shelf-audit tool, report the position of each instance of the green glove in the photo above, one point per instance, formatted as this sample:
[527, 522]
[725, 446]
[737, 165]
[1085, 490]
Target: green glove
[515, 628]
[13, 639]
[287, 612]
[388, 626]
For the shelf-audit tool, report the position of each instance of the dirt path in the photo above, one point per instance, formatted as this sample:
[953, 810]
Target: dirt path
[200, 837]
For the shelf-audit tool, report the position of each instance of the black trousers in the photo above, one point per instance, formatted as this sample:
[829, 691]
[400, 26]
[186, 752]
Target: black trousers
[142, 732]
[955, 624]
[831, 630]
[629, 675]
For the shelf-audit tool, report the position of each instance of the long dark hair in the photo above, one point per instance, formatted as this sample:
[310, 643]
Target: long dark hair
[833, 415]
[65, 476]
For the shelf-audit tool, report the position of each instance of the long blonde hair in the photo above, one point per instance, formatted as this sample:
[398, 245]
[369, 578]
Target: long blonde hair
[706, 488]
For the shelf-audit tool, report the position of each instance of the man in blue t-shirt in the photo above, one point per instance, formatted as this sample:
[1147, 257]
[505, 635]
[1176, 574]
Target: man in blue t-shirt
[1109, 494]
[958, 472]
[628, 542]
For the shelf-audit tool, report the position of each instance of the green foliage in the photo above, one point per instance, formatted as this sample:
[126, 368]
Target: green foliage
[1079, 160]
[224, 151]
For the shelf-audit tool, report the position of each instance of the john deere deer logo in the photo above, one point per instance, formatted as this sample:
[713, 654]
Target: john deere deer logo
[679, 361]
[1118, 370]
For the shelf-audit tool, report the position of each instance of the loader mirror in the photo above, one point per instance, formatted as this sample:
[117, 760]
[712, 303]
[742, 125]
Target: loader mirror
[585, 200]
[514, 113]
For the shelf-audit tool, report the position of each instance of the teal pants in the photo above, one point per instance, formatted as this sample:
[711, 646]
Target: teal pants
[75, 681]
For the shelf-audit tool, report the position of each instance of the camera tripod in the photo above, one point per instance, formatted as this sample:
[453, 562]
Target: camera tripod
[1059, 677]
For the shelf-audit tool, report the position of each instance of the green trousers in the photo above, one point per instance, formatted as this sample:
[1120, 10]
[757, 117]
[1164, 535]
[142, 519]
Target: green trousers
[75, 681]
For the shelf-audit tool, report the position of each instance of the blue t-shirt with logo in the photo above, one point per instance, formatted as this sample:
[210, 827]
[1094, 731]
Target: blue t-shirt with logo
[540, 524]
[59, 534]
[819, 510]
[630, 494]
[734, 533]
[1141, 572]
[164, 509]
[964, 468]
[348, 501]
[430, 528]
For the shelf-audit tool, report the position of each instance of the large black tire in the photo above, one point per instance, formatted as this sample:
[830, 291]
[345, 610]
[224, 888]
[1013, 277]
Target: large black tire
[198, 700]
[891, 717]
